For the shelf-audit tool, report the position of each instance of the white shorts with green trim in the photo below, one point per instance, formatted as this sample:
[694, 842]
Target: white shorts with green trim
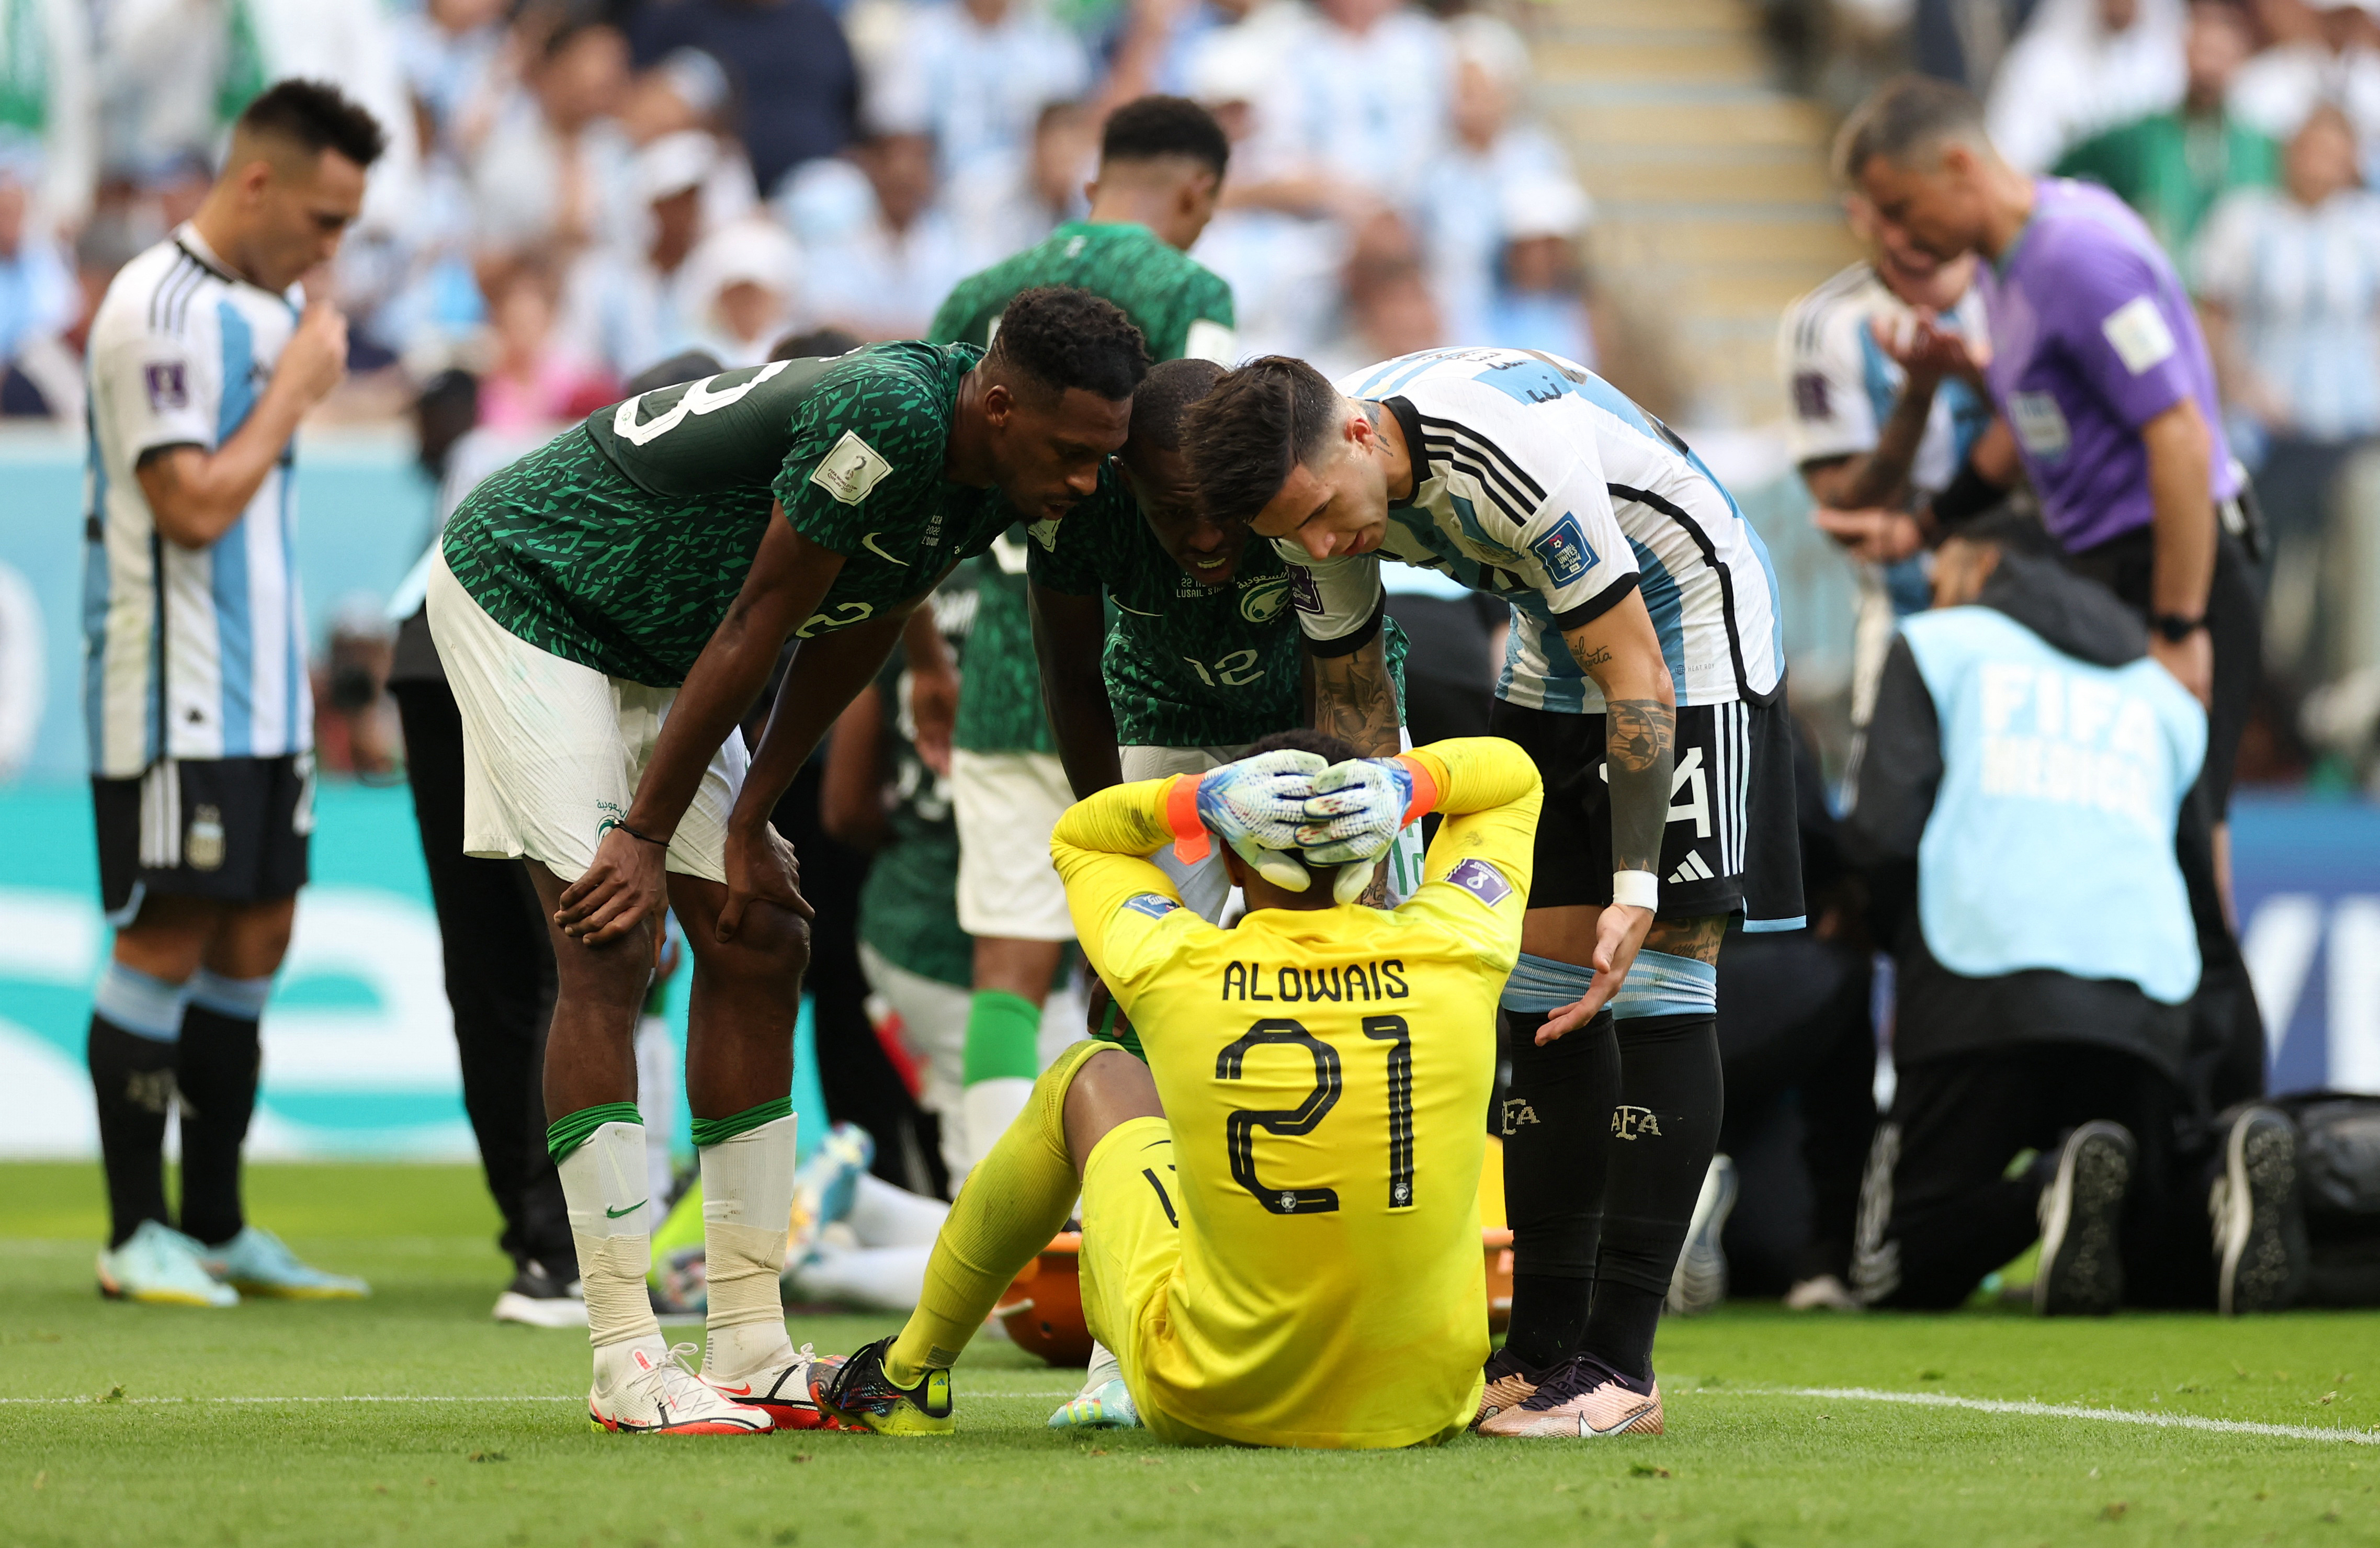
[552, 751]
[1006, 803]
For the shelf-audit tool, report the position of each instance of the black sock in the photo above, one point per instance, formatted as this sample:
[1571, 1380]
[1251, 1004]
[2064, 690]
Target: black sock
[1554, 1117]
[133, 1078]
[218, 1074]
[1659, 1141]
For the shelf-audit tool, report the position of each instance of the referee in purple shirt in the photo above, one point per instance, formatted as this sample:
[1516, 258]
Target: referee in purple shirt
[2107, 406]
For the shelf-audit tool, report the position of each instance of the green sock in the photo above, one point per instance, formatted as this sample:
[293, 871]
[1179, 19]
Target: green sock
[1003, 1037]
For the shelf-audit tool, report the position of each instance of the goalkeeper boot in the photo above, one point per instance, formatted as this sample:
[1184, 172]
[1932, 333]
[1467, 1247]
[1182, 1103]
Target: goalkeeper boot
[859, 1395]
[1585, 1398]
[160, 1266]
[644, 1388]
[783, 1391]
[2260, 1239]
[2081, 1272]
[256, 1262]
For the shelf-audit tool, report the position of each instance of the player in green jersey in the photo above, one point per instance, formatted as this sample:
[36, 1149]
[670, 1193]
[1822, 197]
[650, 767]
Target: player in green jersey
[1161, 166]
[1202, 657]
[606, 610]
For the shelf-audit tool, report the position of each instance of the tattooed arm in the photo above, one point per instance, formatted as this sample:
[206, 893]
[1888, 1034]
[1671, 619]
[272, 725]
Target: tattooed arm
[1352, 696]
[1621, 651]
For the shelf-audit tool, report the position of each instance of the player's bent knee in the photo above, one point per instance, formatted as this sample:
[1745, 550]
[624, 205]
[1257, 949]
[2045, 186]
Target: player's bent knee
[1109, 1088]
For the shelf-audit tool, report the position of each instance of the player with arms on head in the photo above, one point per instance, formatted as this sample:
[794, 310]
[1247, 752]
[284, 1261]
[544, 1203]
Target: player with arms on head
[607, 609]
[1281, 1208]
[204, 357]
[1201, 662]
[1161, 166]
[1645, 668]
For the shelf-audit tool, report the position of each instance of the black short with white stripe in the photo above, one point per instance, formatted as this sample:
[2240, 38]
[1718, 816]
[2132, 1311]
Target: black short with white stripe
[236, 830]
[1733, 844]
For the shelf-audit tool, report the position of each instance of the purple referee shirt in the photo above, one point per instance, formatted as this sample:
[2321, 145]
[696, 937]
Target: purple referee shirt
[2093, 336]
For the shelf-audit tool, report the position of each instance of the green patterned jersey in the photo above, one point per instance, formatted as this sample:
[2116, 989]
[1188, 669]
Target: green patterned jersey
[1186, 665]
[620, 544]
[1179, 307]
[1000, 695]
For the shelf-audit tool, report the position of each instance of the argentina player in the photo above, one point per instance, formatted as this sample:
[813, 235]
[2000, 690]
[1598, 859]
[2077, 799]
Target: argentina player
[1643, 675]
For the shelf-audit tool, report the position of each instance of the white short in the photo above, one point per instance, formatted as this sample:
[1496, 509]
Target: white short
[1206, 886]
[552, 751]
[1006, 803]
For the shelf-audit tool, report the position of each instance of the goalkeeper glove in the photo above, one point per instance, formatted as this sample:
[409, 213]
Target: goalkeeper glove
[1356, 812]
[1255, 806]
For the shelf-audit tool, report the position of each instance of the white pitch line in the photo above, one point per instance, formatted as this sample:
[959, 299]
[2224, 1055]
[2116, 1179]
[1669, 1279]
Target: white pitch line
[2060, 1410]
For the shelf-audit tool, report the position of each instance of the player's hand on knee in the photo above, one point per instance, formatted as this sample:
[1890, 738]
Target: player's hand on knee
[761, 869]
[1257, 805]
[621, 889]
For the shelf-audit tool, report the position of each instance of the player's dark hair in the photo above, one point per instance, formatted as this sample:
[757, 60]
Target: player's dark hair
[318, 116]
[1063, 337]
[1252, 429]
[1147, 129]
[1902, 116]
[1170, 388]
[1300, 739]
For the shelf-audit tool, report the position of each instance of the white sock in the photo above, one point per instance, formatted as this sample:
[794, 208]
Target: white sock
[885, 1278]
[604, 1186]
[1104, 1367]
[748, 1202]
[991, 1106]
[885, 1215]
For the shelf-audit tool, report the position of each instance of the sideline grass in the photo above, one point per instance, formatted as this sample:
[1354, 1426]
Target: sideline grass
[1743, 1463]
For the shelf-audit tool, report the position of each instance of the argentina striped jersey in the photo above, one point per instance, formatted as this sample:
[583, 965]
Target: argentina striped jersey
[187, 652]
[1538, 481]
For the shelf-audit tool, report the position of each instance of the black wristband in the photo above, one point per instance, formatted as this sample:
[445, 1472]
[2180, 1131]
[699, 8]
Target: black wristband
[1969, 495]
[645, 838]
[2176, 626]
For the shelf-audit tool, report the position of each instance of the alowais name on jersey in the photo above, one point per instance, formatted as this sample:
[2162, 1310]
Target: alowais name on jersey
[1358, 980]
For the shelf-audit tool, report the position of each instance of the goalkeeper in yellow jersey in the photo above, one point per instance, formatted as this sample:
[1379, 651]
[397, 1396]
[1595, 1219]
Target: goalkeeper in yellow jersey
[1281, 1230]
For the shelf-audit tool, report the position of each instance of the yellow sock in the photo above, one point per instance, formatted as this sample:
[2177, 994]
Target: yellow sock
[1014, 1200]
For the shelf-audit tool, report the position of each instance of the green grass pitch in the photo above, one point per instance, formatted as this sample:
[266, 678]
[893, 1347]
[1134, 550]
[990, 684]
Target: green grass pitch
[414, 1419]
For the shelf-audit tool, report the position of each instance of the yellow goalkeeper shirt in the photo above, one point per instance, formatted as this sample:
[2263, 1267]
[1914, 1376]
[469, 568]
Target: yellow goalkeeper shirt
[1326, 1077]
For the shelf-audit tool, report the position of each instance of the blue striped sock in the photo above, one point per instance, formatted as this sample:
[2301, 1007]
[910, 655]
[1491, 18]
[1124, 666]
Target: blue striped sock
[143, 1005]
[1540, 983]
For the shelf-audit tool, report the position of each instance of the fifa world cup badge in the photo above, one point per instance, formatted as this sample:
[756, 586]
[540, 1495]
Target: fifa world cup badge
[203, 848]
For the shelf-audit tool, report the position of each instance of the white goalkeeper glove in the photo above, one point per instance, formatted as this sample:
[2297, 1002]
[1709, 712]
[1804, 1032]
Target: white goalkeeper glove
[1355, 814]
[1255, 806]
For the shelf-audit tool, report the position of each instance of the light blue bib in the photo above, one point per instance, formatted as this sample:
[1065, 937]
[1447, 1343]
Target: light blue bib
[2051, 842]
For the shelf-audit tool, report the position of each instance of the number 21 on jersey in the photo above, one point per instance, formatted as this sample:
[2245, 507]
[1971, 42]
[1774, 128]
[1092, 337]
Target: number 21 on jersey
[1290, 1122]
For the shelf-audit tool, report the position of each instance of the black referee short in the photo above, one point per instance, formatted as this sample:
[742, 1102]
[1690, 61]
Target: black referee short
[1733, 844]
[232, 829]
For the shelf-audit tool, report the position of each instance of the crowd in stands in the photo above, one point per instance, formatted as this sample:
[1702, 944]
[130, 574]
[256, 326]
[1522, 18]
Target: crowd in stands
[2244, 133]
[578, 188]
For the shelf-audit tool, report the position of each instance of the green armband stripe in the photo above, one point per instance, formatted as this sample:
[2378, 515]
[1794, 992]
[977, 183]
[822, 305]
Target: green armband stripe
[567, 1133]
[718, 1131]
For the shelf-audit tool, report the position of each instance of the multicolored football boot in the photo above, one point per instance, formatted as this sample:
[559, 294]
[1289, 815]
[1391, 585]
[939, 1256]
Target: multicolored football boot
[256, 1262]
[860, 1395]
[1511, 1383]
